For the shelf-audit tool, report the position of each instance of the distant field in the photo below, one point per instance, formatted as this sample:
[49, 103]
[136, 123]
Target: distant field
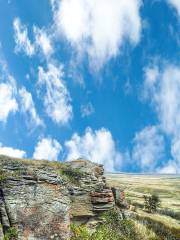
[166, 186]
[135, 186]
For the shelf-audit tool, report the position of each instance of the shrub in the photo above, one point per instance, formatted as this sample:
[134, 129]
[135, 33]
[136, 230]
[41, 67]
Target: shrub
[72, 175]
[79, 232]
[11, 234]
[3, 176]
[151, 203]
[113, 228]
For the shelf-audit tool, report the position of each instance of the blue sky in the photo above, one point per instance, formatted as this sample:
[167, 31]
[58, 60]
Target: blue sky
[93, 79]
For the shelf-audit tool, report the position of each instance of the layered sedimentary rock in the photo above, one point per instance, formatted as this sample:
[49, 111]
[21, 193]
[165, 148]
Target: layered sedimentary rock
[39, 199]
[33, 200]
[84, 208]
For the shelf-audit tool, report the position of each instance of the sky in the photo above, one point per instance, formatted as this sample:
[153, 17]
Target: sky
[93, 79]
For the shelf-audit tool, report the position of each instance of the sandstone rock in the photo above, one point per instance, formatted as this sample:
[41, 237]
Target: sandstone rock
[41, 198]
[37, 204]
[105, 196]
[119, 197]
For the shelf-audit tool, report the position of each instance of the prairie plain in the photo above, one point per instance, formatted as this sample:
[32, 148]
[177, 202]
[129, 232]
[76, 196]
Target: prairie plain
[167, 218]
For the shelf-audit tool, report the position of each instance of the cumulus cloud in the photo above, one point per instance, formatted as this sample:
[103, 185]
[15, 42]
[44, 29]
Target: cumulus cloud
[97, 146]
[87, 109]
[148, 148]
[98, 28]
[28, 107]
[8, 103]
[163, 90]
[162, 87]
[12, 152]
[47, 148]
[169, 168]
[23, 43]
[57, 101]
[175, 4]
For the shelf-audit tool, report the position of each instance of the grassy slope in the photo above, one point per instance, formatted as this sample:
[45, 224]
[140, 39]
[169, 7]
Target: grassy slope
[168, 189]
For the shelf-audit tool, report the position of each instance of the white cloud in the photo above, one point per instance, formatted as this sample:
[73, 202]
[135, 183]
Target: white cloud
[23, 43]
[12, 152]
[169, 168]
[43, 41]
[8, 102]
[87, 110]
[148, 148]
[57, 99]
[5, 76]
[163, 91]
[97, 146]
[173, 165]
[8, 90]
[27, 106]
[164, 94]
[98, 28]
[175, 152]
[176, 4]
[47, 148]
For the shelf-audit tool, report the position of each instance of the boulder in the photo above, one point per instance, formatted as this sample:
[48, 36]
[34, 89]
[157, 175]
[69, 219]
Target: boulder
[119, 197]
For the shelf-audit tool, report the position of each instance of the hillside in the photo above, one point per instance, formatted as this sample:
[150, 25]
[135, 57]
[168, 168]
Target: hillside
[167, 187]
[40, 199]
[43, 200]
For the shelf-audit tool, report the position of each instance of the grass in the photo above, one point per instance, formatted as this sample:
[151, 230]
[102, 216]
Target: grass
[160, 228]
[31, 162]
[11, 234]
[113, 228]
[135, 186]
[3, 176]
[28, 166]
[72, 175]
[165, 223]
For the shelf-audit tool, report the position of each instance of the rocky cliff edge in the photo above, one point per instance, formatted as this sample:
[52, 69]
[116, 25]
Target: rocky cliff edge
[39, 199]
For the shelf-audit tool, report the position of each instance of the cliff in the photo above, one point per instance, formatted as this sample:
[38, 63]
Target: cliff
[39, 199]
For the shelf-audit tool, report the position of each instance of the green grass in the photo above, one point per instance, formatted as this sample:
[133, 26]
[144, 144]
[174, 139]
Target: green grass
[11, 234]
[71, 175]
[112, 228]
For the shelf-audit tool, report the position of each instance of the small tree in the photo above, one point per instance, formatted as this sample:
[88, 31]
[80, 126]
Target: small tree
[151, 203]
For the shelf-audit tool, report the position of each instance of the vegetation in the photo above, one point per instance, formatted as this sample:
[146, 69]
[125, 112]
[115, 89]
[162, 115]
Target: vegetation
[161, 230]
[138, 227]
[62, 168]
[72, 175]
[11, 234]
[3, 176]
[151, 203]
[161, 222]
[80, 232]
[22, 161]
[170, 213]
[113, 228]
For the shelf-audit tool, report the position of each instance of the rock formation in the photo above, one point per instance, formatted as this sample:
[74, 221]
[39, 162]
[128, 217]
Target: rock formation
[39, 199]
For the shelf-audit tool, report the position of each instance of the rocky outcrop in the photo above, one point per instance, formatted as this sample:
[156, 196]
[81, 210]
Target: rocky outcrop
[33, 200]
[39, 199]
[119, 198]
